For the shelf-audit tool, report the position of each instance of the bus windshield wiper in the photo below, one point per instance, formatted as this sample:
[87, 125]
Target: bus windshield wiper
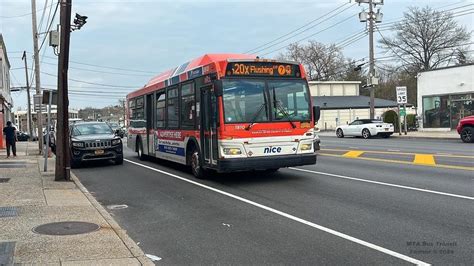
[282, 109]
[255, 116]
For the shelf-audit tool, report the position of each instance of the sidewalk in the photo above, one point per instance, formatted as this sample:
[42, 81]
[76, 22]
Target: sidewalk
[411, 134]
[30, 197]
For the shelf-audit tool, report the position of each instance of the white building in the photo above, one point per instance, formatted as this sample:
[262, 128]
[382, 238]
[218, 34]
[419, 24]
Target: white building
[445, 96]
[6, 103]
[21, 119]
[341, 103]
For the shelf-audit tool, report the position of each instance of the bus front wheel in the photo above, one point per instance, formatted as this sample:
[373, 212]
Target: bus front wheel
[196, 164]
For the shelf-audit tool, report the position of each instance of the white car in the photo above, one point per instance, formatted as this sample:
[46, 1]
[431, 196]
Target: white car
[365, 128]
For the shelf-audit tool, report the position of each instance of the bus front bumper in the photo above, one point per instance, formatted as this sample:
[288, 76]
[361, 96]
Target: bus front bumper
[267, 162]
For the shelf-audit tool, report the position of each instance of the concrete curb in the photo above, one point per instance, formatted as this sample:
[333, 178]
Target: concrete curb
[326, 134]
[423, 137]
[122, 234]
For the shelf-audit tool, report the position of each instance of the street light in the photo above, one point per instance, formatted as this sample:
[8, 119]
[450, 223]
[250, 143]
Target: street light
[79, 21]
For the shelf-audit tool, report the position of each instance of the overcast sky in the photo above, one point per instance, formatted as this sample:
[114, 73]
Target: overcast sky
[146, 37]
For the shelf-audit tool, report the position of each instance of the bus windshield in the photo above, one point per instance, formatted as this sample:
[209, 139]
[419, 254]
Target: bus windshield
[248, 100]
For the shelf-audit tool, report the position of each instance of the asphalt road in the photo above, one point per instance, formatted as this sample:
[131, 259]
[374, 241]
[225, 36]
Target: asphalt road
[340, 211]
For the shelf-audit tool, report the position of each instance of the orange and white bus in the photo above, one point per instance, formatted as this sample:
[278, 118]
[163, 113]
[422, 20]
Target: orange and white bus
[225, 112]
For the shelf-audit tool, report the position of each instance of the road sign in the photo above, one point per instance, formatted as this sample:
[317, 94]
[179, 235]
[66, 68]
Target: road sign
[45, 99]
[403, 112]
[37, 99]
[401, 95]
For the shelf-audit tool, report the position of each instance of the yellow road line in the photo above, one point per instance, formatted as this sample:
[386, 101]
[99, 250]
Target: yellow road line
[404, 153]
[426, 159]
[402, 162]
[353, 154]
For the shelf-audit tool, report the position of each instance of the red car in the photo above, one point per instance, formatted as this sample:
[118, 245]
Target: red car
[465, 128]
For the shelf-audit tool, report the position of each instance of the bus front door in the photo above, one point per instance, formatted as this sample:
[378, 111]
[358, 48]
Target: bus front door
[149, 125]
[208, 132]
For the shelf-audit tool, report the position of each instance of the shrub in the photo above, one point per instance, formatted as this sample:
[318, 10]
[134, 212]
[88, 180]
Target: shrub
[391, 116]
[411, 121]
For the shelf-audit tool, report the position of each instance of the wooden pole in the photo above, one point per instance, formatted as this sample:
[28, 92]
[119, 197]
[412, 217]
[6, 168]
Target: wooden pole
[62, 147]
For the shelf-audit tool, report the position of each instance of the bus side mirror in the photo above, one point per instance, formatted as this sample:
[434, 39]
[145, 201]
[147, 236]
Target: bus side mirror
[316, 113]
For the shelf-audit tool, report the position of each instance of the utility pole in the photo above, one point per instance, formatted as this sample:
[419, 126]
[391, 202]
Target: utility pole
[371, 17]
[371, 60]
[39, 116]
[124, 112]
[28, 115]
[62, 147]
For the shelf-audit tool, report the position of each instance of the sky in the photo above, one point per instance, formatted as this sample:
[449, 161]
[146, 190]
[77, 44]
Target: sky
[125, 43]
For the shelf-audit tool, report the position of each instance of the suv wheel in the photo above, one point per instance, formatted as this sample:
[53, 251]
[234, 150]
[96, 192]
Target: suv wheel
[466, 134]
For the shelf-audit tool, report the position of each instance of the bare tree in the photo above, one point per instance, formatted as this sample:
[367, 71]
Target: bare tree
[426, 38]
[322, 62]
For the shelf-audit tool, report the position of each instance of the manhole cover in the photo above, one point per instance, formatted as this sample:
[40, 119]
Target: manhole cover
[66, 228]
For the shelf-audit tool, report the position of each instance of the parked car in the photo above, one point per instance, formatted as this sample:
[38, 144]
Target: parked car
[465, 129]
[365, 128]
[22, 136]
[92, 141]
[116, 128]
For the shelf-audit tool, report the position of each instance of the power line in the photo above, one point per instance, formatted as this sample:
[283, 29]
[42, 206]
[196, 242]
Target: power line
[396, 20]
[453, 14]
[23, 15]
[98, 84]
[99, 71]
[100, 66]
[290, 37]
[295, 30]
[312, 35]
[42, 16]
[355, 39]
[49, 28]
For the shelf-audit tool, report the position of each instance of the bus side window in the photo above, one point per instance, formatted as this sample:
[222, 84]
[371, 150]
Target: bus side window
[160, 109]
[188, 106]
[172, 108]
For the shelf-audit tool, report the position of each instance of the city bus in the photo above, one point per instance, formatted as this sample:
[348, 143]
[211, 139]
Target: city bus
[227, 113]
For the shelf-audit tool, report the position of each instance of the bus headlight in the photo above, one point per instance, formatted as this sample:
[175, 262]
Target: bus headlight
[306, 147]
[232, 151]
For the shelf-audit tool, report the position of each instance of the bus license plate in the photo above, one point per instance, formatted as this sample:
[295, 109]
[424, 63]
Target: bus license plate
[99, 152]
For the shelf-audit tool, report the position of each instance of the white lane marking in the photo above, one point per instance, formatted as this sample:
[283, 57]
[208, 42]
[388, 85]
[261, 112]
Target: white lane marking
[353, 147]
[383, 183]
[291, 217]
[153, 257]
[393, 150]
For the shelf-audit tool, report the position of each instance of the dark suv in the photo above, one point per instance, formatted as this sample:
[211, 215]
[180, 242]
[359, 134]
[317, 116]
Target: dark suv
[92, 141]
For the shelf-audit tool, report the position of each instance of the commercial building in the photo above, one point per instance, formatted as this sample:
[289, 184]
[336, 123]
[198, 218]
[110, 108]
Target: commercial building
[6, 103]
[22, 122]
[341, 103]
[445, 96]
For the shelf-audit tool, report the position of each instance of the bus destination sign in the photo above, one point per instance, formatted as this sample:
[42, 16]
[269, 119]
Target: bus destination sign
[272, 69]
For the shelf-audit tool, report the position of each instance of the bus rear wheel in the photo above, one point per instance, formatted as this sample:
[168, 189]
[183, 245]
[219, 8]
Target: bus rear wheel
[140, 154]
[196, 164]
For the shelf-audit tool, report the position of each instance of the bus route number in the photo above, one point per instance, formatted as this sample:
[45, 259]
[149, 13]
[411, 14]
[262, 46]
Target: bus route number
[270, 70]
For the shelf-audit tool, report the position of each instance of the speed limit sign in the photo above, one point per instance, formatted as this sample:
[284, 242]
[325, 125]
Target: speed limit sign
[401, 95]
